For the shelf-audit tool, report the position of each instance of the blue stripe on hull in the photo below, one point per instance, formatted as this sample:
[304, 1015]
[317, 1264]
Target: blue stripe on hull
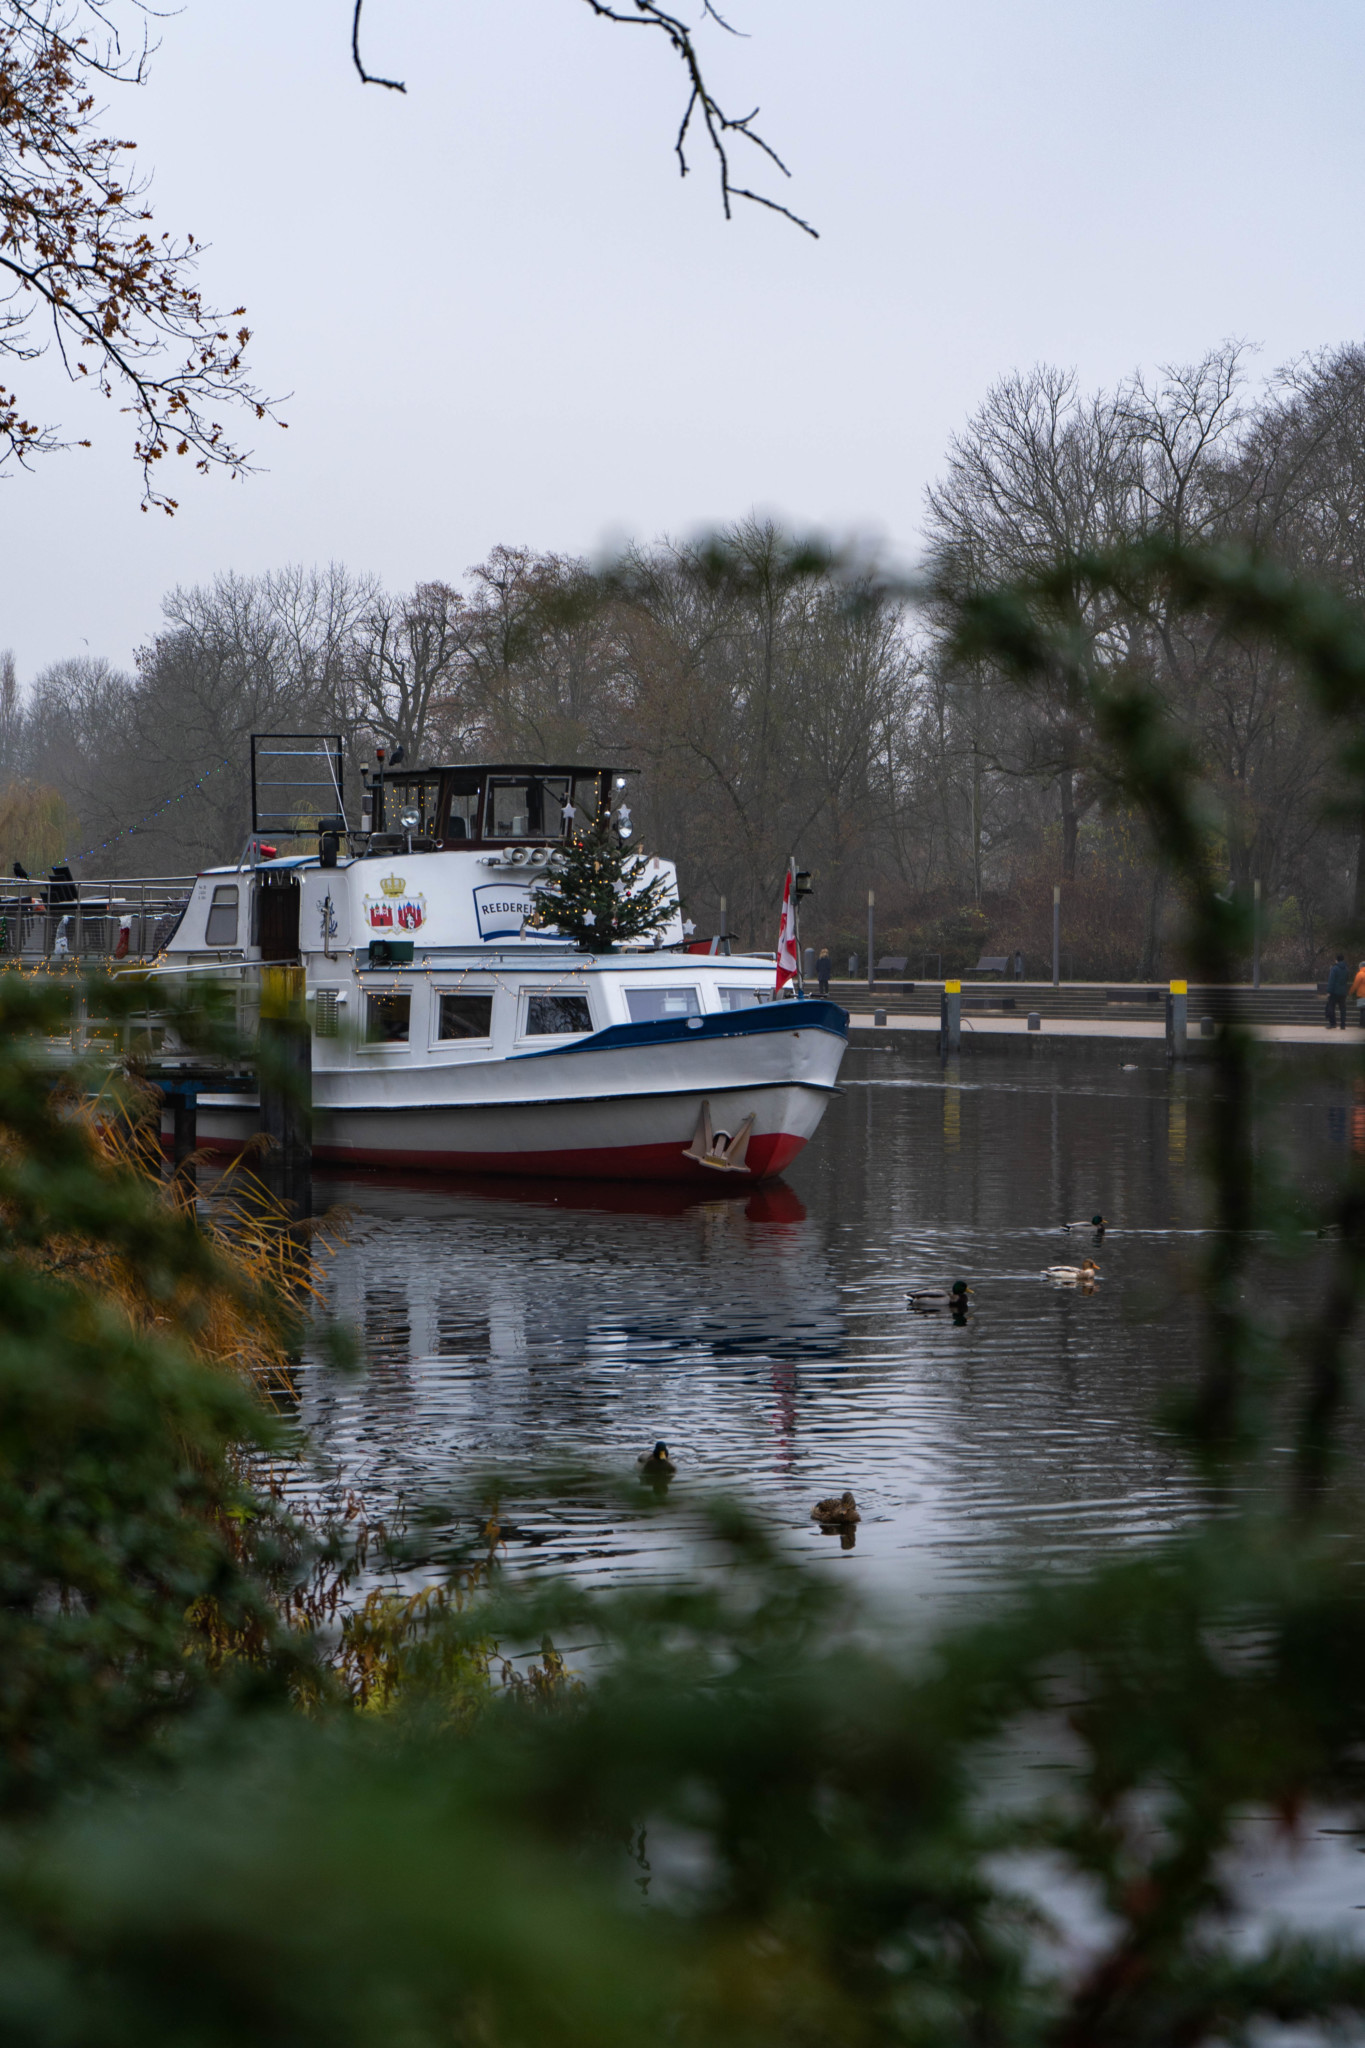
[813, 1013]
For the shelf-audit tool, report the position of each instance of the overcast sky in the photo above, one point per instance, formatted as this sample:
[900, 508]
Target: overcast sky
[499, 315]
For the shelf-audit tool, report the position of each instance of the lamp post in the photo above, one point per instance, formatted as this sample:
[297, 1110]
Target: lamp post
[1256, 933]
[1056, 934]
[871, 913]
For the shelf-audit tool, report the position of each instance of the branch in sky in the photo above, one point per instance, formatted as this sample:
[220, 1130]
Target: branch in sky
[702, 104]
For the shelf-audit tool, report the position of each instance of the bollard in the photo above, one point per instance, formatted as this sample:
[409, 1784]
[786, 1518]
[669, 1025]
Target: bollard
[184, 1101]
[1206, 1027]
[1035, 1022]
[285, 1068]
[950, 1019]
[879, 1016]
[1177, 1006]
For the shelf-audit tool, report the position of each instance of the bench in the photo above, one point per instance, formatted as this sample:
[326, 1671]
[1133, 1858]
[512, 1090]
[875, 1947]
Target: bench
[992, 963]
[892, 963]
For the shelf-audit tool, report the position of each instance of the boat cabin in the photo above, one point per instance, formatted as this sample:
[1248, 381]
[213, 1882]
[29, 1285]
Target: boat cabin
[435, 810]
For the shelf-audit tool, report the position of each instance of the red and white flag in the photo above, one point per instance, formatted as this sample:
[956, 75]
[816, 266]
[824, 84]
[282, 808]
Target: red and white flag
[787, 965]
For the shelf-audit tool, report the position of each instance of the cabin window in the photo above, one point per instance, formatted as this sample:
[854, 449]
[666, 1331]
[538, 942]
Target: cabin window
[422, 797]
[387, 1017]
[221, 929]
[744, 998]
[466, 1017]
[556, 1016]
[526, 807]
[585, 802]
[649, 1005]
[462, 821]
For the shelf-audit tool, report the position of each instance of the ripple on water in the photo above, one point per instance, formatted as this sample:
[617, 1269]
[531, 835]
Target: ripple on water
[765, 1336]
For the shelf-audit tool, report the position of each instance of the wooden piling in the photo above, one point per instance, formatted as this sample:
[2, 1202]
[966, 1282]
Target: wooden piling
[286, 1082]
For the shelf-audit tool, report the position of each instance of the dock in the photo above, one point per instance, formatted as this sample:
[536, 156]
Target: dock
[1090, 1016]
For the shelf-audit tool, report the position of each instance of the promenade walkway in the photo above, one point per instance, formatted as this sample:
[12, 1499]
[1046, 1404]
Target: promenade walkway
[998, 1033]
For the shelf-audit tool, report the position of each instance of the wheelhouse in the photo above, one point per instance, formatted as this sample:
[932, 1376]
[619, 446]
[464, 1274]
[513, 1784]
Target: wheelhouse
[499, 804]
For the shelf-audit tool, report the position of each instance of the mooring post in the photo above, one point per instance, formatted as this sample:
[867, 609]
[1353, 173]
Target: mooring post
[185, 1127]
[285, 1069]
[950, 1019]
[1177, 1020]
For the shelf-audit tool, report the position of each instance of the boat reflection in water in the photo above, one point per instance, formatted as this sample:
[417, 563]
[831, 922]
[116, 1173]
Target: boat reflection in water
[539, 1323]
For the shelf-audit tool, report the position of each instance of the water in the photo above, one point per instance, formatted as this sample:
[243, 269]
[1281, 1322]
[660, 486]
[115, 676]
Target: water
[765, 1334]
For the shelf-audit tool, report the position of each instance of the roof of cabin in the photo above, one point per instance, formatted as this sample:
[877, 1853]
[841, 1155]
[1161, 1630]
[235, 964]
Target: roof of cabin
[403, 772]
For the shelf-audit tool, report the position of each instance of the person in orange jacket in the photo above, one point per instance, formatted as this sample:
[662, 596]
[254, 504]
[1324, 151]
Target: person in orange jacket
[1358, 989]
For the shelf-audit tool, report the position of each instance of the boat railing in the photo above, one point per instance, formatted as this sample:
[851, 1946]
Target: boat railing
[122, 919]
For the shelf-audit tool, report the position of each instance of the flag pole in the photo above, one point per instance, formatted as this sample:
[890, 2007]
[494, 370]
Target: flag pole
[796, 920]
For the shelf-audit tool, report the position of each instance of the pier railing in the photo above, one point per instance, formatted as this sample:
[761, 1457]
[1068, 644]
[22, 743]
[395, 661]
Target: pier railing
[1279, 1003]
[94, 921]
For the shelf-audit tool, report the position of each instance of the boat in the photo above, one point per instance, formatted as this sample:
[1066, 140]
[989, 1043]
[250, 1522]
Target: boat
[446, 1034]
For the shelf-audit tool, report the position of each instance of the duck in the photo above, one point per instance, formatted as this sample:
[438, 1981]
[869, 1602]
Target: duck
[1084, 1275]
[954, 1297]
[839, 1511]
[1096, 1223]
[657, 1464]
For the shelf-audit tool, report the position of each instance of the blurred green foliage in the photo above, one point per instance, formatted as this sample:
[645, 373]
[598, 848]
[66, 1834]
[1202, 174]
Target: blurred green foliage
[732, 1808]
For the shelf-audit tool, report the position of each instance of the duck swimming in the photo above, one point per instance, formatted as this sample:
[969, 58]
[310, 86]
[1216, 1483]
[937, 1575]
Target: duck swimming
[658, 1464]
[1096, 1223]
[954, 1297]
[839, 1511]
[1084, 1275]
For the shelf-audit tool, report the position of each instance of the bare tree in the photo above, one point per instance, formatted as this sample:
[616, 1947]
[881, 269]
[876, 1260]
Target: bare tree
[409, 671]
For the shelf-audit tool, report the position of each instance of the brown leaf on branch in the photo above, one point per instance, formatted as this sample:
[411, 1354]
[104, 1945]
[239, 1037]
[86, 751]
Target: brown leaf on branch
[76, 257]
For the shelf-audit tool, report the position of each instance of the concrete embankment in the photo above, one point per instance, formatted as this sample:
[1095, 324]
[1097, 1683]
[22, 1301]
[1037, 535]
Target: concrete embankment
[1091, 1018]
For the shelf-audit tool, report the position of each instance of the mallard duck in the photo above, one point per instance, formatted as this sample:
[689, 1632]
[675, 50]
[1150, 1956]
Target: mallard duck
[1096, 1223]
[838, 1512]
[1083, 1275]
[658, 1464]
[954, 1297]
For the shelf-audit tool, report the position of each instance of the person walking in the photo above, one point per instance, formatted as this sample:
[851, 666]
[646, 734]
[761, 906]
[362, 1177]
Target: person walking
[1338, 981]
[822, 970]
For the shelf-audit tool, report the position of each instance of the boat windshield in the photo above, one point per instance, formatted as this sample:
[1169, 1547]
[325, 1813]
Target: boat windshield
[526, 806]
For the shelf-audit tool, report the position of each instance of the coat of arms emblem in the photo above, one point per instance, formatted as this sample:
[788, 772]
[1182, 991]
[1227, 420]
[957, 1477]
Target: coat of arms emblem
[395, 909]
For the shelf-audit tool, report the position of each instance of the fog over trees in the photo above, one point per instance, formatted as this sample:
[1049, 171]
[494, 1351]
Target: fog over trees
[776, 704]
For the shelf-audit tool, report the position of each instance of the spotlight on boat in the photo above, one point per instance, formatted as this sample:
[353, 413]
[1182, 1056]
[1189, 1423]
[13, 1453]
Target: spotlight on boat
[410, 819]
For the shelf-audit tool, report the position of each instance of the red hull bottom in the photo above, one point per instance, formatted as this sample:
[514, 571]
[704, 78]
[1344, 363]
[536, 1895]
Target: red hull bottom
[767, 1155]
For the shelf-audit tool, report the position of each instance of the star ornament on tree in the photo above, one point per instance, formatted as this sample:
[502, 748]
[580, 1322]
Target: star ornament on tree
[596, 894]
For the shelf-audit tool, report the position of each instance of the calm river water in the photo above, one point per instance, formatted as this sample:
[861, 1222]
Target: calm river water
[766, 1337]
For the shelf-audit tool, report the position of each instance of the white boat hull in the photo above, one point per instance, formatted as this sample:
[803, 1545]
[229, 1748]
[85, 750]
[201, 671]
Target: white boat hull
[623, 1104]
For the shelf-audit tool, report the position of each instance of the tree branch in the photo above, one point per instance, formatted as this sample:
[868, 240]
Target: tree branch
[717, 122]
[368, 77]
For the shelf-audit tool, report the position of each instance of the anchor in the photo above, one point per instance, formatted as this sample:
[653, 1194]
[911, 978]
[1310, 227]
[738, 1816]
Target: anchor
[717, 1149]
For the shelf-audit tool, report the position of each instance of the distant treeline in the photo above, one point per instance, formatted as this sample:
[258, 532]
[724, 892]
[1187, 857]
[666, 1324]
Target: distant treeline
[778, 704]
